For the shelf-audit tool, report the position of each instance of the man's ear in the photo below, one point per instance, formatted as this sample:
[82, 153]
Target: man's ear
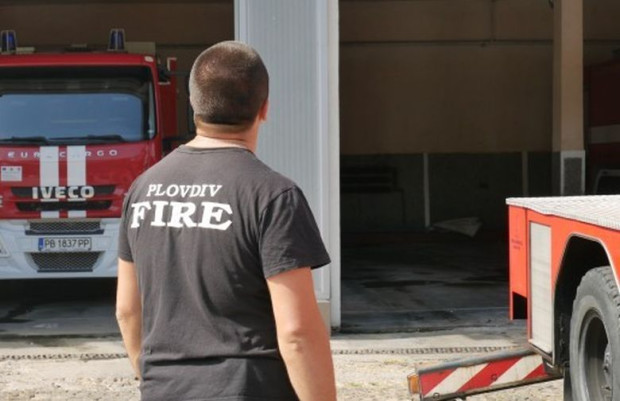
[262, 113]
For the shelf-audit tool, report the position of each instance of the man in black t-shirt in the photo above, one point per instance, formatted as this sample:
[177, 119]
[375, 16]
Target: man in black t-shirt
[215, 298]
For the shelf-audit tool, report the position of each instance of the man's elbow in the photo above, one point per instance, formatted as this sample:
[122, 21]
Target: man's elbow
[297, 338]
[124, 313]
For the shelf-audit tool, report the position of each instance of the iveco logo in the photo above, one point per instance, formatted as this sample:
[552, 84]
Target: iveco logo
[70, 192]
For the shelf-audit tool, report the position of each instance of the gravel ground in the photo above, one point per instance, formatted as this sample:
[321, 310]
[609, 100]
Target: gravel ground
[365, 377]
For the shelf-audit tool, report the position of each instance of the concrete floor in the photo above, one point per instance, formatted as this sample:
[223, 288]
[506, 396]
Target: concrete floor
[424, 283]
[396, 284]
[71, 307]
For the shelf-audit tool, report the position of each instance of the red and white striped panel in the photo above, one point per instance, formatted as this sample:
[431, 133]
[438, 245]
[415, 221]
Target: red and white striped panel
[483, 374]
[62, 166]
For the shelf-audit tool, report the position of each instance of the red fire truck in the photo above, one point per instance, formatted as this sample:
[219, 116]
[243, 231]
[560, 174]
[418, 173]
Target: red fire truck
[564, 272]
[76, 128]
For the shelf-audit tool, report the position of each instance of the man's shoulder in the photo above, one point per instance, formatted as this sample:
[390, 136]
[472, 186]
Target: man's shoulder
[274, 177]
[257, 173]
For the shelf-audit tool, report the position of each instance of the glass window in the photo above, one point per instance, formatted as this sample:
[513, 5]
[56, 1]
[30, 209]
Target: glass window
[68, 105]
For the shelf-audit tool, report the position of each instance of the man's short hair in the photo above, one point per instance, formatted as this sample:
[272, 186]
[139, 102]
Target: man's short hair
[228, 84]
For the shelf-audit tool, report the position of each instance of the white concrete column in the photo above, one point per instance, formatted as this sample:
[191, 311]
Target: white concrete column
[568, 136]
[298, 40]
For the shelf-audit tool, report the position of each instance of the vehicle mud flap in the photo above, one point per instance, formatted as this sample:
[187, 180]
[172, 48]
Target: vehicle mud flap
[462, 378]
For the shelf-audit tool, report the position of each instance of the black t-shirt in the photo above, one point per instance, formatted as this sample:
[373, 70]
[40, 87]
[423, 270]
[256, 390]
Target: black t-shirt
[205, 228]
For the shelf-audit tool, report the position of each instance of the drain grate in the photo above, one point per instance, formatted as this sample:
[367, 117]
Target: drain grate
[57, 357]
[419, 351]
[361, 351]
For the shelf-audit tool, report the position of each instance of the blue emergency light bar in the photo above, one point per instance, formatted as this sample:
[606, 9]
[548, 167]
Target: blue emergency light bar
[9, 41]
[117, 40]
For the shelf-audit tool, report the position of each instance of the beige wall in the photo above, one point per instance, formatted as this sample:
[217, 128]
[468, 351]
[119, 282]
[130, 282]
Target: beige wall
[180, 29]
[412, 99]
[454, 75]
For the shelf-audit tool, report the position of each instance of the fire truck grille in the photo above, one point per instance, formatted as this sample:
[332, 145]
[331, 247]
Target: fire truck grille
[71, 227]
[62, 206]
[65, 262]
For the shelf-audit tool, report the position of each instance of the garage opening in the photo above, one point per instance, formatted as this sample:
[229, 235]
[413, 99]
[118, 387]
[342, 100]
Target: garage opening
[446, 111]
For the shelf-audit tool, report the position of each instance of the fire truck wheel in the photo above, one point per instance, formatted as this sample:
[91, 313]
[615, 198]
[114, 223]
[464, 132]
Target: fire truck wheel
[594, 338]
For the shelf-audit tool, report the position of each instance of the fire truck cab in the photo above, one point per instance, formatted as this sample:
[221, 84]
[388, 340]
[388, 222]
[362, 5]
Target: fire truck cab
[76, 128]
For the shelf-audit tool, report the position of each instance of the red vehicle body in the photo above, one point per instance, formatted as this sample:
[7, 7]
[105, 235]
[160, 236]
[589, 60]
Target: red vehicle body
[76, 128]
[564, 279]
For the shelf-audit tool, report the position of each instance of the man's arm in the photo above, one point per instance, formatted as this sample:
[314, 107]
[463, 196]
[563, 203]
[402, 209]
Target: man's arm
[302, 336]
[129, 311]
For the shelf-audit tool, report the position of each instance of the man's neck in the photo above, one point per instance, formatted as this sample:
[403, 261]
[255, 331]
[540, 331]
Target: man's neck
[202, 141]
[208, 136]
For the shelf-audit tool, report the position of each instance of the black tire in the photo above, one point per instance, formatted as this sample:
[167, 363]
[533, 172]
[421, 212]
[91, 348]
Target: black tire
[595, 338]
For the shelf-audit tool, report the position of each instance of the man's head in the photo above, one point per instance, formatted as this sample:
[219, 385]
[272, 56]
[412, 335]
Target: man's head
[228, 86]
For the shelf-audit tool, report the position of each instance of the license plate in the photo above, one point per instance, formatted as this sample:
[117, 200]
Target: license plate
[65, 244]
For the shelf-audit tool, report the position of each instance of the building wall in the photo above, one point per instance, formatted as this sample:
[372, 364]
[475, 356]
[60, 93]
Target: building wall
[456, 97]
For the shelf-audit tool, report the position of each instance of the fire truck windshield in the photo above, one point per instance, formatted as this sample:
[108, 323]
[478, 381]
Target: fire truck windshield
[46, 105]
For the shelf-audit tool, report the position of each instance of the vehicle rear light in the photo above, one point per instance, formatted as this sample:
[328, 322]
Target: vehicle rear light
[9, 41]
[414, 384]
[117, 40]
